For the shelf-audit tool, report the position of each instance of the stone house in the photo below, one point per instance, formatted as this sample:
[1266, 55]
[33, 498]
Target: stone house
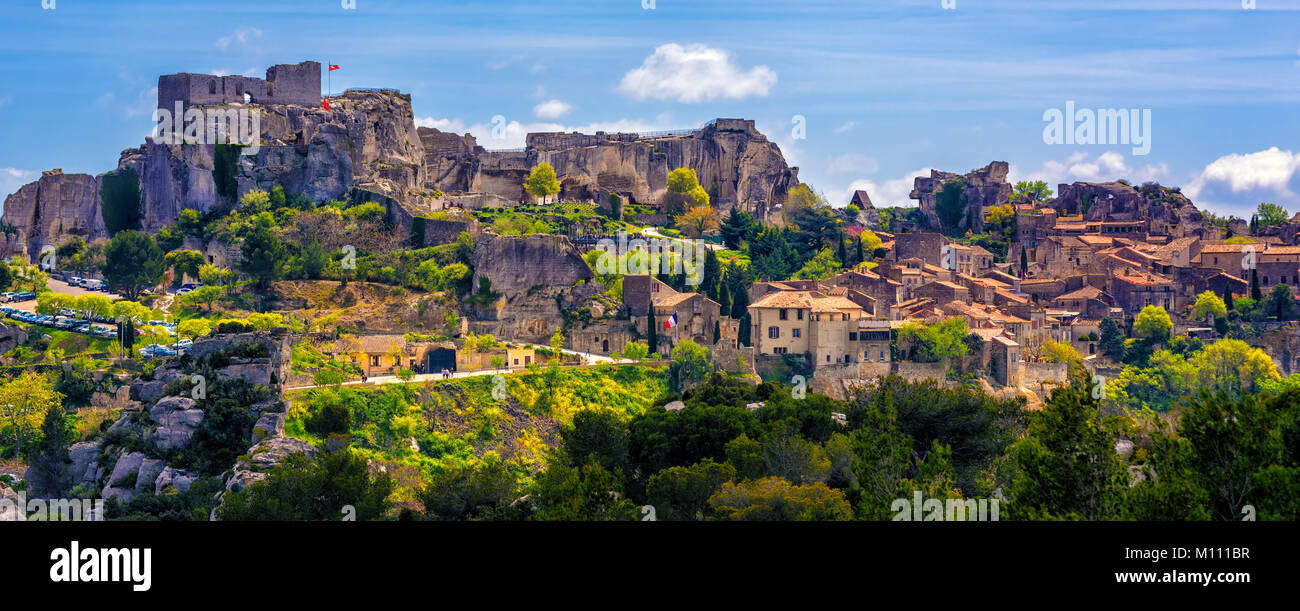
[806, 322]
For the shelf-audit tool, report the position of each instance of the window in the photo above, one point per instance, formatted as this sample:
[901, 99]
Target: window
[795, 332]
[882, 356]
[798, 314]
[853, 336]
[778, 351]
[374, 361]
[212, 87]
[828, 358]
[785, 314]
[773, 332]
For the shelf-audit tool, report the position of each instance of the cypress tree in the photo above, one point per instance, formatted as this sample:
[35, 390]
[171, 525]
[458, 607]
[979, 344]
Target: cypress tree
[740, 304]
[843, 253]
[1024, 260]
[717, 331]
[652, 339]
[724, 299]
[861, 255]
[711, 276]
[743, 336]
[1255, 293]
[1227, 296]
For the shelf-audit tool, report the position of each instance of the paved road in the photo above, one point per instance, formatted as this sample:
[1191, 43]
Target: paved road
[654, 233]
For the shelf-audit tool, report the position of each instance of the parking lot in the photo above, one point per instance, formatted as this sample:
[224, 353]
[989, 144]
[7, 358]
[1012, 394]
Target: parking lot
[21, 307]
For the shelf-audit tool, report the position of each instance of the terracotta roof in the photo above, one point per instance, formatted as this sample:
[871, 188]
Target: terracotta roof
[1224, 248]
[1087, 292]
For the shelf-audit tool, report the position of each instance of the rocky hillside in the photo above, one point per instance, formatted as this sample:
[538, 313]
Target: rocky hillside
[735, 163]
[986, 186]
[367, 139]
[1164, 208]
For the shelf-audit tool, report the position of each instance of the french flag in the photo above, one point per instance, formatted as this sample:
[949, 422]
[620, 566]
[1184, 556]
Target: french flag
[671, 322]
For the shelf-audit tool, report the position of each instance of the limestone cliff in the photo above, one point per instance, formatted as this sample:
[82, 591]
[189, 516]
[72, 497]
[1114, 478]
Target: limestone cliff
[986, 186]
[367, 140]
[735, 163]
[533, 280]
[1165, 210]
[55, 207]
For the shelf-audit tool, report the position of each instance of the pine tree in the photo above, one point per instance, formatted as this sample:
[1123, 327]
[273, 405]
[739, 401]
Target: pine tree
[49, 474]
[1255, 293]
[712, 275]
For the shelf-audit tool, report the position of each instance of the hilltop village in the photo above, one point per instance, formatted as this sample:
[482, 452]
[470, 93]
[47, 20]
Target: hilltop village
[356, 278]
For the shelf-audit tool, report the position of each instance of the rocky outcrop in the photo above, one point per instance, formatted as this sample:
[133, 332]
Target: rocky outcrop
[735, 163]
[1165, 210]
[517, 264]
[366, 139]
[11, 337]
[986, 186]
[176, 418]
[54, 208]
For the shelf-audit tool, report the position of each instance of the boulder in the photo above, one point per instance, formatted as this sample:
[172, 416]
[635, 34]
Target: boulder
[85, 462]
[267, 426]
[122, 482]
[174, 478]
[147, 391]
[177, 418]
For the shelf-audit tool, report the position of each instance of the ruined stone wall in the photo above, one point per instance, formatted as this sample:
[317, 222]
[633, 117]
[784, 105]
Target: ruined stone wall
[284, 84]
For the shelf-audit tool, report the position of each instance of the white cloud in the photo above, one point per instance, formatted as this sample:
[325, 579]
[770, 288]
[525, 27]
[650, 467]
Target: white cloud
[694, 73]
[892, 192]
[1108, 166]
[848, 125]
[13, 178]
[242, 35]
[1238, 183]
[552, 109]
[853, 163]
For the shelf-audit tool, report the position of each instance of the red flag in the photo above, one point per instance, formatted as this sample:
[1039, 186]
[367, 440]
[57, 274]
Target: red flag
[326, 102]
[333, 67]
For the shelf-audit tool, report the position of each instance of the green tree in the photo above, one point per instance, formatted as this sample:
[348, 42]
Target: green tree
[24, 401]
[598, 436]
[615, 206]
[49, 474]
[542, 181]
[1034, 191]
[132, 263]
[1280, 302]
[464, 491]
[1153, 323]
[775, 499]
[262, 255]
[652, 329]
[1066, 464]
[1255, 293]
[1112, 339]
[711, 276]
[193, 328]
[690, 365]
[682, 493]
[184, 263]
[1209, 304]
[312, 489]
[1269, 215]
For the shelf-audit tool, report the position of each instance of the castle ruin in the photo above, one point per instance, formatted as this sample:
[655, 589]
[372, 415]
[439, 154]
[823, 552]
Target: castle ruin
[284, 84]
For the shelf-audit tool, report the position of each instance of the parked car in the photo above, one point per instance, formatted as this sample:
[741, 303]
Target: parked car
[74, 280]
[157, 350]
[24, 296]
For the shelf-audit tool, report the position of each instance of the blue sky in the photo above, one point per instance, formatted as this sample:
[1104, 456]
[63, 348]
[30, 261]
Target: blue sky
[886, 89]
